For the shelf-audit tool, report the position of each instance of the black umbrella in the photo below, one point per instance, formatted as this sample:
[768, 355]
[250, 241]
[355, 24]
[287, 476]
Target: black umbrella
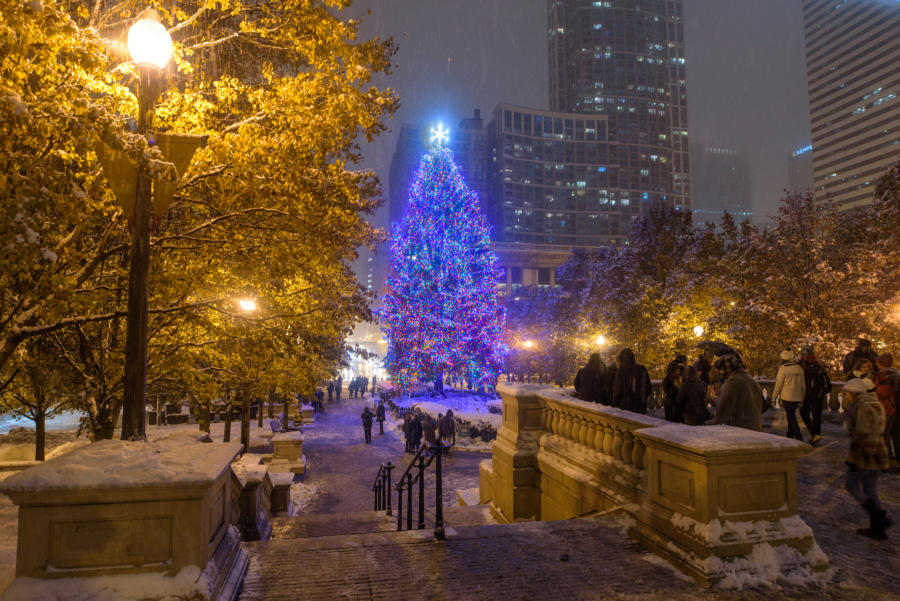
[717, 348]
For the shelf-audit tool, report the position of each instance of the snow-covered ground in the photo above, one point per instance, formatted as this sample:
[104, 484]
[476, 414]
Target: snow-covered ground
[473, 409]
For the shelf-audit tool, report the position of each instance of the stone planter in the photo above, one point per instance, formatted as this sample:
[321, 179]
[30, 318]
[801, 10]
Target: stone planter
[288, 453]
[118, 508]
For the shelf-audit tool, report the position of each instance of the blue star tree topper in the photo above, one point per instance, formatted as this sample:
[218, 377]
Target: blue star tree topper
[441, 313]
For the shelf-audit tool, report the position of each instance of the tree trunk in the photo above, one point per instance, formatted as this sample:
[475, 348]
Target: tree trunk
[40, 434]
[284, 412]
[271, 408]
[204, 420]
[228, 408]
[245, 422]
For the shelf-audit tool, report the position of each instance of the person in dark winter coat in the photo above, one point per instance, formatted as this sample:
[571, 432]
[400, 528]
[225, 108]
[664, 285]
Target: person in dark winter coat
[379, 415]
[670, 385]
[447, 428]
[632, 387]
[337, 388]
[407, 430]
[367, 416]
[702, 365]
[330, 390]
[415, 431]
[740, 398]
[868, 453]
[863, 350]
[590, 381]
[818, 385]
[691, 399]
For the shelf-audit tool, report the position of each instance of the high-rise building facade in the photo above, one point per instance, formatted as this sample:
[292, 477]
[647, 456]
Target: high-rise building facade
[723, 185]
[853, 75]
[800, 171]
[625, 60]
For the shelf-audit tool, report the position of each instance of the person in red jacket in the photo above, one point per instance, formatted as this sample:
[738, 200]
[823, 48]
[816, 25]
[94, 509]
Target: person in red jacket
[887, 389]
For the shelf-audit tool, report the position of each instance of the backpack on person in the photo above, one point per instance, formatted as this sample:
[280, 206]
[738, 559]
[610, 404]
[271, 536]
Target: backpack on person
[818, 385]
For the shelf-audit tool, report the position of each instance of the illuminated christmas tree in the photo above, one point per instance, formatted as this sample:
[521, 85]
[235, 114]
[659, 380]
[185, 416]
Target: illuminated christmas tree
[441, 312]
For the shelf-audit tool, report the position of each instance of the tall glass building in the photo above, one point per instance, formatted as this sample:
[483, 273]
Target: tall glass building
[853, 76]
[625, 60]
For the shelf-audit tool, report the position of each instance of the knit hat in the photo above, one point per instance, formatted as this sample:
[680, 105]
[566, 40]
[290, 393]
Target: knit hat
[885, 360]
[859, 385]
[787, 355]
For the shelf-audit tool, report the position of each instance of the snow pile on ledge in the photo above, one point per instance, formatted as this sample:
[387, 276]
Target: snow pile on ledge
[188, 584]
[302, 494]
[180, 458]
[728, 532]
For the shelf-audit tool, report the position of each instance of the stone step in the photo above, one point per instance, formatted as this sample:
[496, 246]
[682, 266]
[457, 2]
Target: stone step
[332, 524]
[571, 559]
[363, 522]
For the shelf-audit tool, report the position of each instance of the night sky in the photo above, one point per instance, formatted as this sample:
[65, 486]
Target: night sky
[746, 74]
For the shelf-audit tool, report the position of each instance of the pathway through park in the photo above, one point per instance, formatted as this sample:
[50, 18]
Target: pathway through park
[344, 467]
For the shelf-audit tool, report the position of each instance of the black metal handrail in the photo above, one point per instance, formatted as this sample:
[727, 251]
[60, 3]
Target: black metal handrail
[433, 451]
[382, 487]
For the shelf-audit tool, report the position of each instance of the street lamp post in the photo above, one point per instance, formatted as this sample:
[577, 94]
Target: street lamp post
[150, 47]
[248, 306]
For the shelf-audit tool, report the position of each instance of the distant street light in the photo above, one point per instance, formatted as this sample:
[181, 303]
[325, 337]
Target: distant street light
[698, 331]
[247, 305]
[150, 47]
[528, 343]
[601, 340]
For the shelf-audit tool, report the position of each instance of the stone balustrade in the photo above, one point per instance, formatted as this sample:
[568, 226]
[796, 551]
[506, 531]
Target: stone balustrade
[702, 497]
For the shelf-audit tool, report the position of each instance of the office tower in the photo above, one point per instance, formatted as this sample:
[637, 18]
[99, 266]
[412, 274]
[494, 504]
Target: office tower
[722, 185]
[853, 75]
[624, 59]
[800, 170]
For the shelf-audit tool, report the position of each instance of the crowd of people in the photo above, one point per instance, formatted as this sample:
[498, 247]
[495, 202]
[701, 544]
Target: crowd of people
[869, 397]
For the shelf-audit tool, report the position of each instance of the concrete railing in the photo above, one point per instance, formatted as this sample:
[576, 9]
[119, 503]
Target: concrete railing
[702, 497]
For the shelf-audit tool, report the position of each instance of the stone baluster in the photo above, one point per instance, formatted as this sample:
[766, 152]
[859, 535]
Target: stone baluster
[597, 444]
[551, 420]
[587, 433]
[627, 447]
[567, 426]
[576, 429]
[618, 441]
[637, 454]
[607, 438]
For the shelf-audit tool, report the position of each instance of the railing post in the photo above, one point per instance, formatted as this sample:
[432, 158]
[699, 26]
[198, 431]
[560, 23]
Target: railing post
[387, 489]
[409, 501]
[400, 505]
[421, 491]
[439, 494]
[377, 494]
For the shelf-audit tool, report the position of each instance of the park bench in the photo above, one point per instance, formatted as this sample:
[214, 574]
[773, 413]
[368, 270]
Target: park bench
[275, 424]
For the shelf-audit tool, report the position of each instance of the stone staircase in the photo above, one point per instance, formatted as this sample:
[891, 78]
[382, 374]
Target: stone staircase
[362, 556]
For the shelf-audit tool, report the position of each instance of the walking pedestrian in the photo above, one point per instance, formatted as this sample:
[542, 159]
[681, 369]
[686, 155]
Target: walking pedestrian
[450, 428]
[351, 389]
[337, 387]
[632, 387]
[330, 390]
[407, 430]
[868, 452]
[887, 390]
[379, 415]
[367, 424]
[818, 385]
[740, 399]
[590, 381]
[671, 384]
[691, 399]
[415, 429]
[863, 350]
[790, 387]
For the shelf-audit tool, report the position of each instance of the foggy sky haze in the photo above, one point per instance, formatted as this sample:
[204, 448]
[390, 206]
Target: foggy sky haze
[745, 72]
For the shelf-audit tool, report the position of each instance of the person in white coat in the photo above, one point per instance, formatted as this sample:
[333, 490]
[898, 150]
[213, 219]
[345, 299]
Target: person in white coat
[790, 388]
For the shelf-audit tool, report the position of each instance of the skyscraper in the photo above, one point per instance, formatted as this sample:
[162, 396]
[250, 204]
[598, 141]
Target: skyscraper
[723, 185]
[853, 75]
[624, 59]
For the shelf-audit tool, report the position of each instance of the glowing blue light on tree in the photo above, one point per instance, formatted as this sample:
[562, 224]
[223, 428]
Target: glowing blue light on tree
[439, 135]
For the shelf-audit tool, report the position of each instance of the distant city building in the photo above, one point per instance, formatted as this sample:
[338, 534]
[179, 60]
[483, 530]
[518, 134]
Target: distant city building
[800, 170]
[722, 184]
[853, 75]
[625, 59]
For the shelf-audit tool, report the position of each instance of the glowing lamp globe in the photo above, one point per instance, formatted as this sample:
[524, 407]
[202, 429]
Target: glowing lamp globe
[528, 344]
[247, 304]
[149, 43]
[600, 340]
[698, 331]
